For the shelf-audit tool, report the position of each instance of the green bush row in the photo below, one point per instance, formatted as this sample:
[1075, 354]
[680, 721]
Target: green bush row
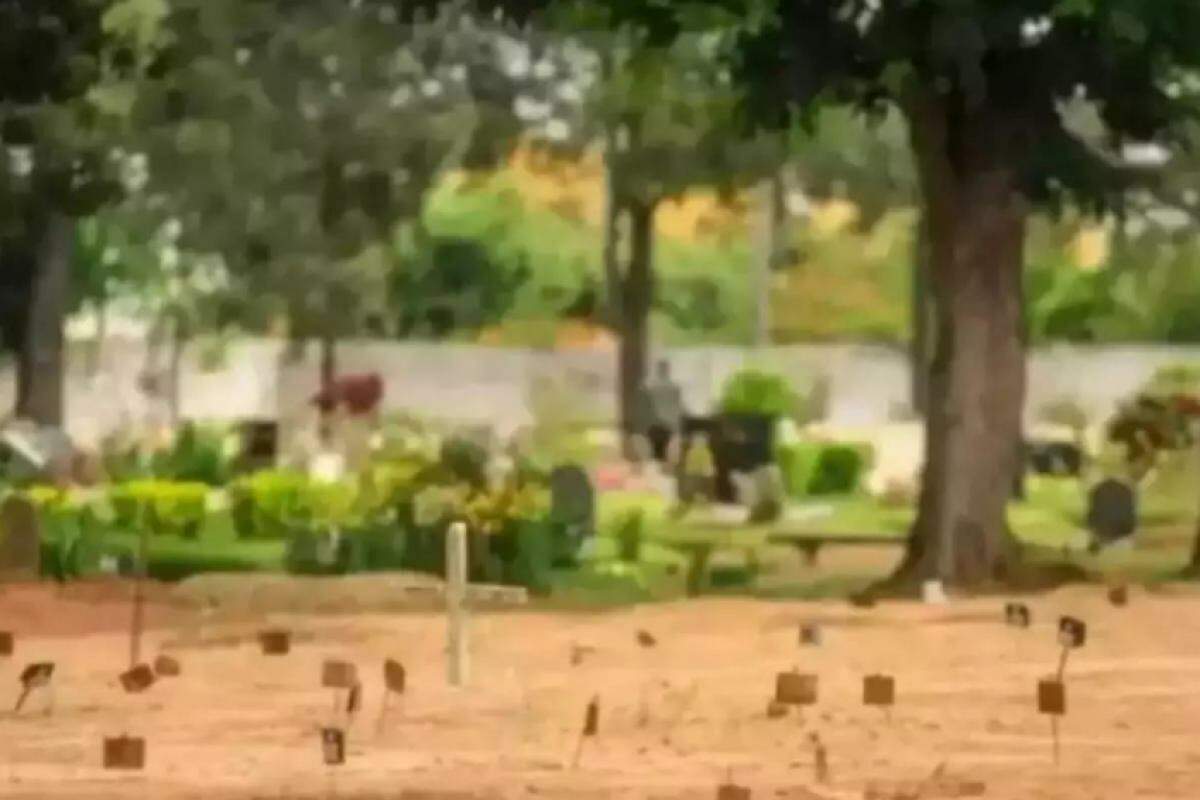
[823, 469]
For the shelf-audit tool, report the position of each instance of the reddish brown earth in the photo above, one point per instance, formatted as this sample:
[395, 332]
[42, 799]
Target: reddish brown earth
[675, 719]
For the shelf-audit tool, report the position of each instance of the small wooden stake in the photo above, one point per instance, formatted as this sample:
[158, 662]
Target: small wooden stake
[6, 644]
[591, 727]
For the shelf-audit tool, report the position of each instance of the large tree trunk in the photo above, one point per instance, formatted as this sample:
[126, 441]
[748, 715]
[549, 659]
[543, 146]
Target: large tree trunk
[41, 363]
[976, 388]
[637, 290]
[921, 346]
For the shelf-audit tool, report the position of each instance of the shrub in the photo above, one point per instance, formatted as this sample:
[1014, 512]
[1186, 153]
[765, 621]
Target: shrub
[839, 469]
[757, 392]
[797, 463]
[162, 507]
[630, 531]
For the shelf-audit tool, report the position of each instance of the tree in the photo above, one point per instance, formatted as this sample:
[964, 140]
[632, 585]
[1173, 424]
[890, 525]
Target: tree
[300, 142]
[667, 112]
[54, 170]
[980, 84]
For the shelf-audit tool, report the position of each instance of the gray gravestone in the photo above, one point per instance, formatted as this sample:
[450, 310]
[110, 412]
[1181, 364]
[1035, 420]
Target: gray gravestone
[1112, 511]
[573, 502]
[35, 453]
[20, 540]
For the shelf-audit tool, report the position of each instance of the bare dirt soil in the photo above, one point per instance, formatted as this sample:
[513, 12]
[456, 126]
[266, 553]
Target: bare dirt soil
[676, 719]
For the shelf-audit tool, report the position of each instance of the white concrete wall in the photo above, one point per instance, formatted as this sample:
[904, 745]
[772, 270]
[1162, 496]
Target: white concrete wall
[476, 384]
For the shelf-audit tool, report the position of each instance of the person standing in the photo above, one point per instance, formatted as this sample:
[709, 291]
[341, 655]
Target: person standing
[662, 399]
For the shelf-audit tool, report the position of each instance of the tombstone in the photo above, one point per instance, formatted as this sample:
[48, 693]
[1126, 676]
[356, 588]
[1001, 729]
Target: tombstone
[20, 540]
[260, 444]
[1112, 511]
[573, 504]
[796, 689]
[1054, 458]
[124, 752]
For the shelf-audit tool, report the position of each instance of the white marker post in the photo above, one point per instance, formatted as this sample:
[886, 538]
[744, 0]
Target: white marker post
[456, 597]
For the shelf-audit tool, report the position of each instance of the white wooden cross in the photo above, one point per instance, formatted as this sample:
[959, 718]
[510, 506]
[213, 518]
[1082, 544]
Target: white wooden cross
[459, 592]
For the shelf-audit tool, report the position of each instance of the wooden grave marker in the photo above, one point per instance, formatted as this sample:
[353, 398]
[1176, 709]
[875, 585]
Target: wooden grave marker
[333, 746]
[879, 691]
[796, 688]
[124, 753]
[167, 667]
[138, 679]
[275, 642]
[7, 644]
[394, 682]
[33, 677]
[591, 728]
[1017, 615]
[1118, 596]
[810, 634]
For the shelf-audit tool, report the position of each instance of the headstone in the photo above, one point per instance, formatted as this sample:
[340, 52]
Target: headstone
[1112, 511]
[1072, 633]
[879, 690]
[333, 746]
[138, 679]
[1052, 697]
[1054, 458]
[124, 752]
[573, 503]
[796, 689]
[20, 540]
[260, 443]
[339, 675]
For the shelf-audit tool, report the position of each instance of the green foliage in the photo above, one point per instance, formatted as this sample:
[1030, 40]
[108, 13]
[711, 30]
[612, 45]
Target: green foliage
[160, 507]
[754, 391]
[629, 530]
[198, 454]
[798, 463]
[839, 469]
[263, 504]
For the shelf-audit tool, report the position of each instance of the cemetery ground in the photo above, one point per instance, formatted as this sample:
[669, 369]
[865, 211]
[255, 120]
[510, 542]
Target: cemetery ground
[676, 718]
